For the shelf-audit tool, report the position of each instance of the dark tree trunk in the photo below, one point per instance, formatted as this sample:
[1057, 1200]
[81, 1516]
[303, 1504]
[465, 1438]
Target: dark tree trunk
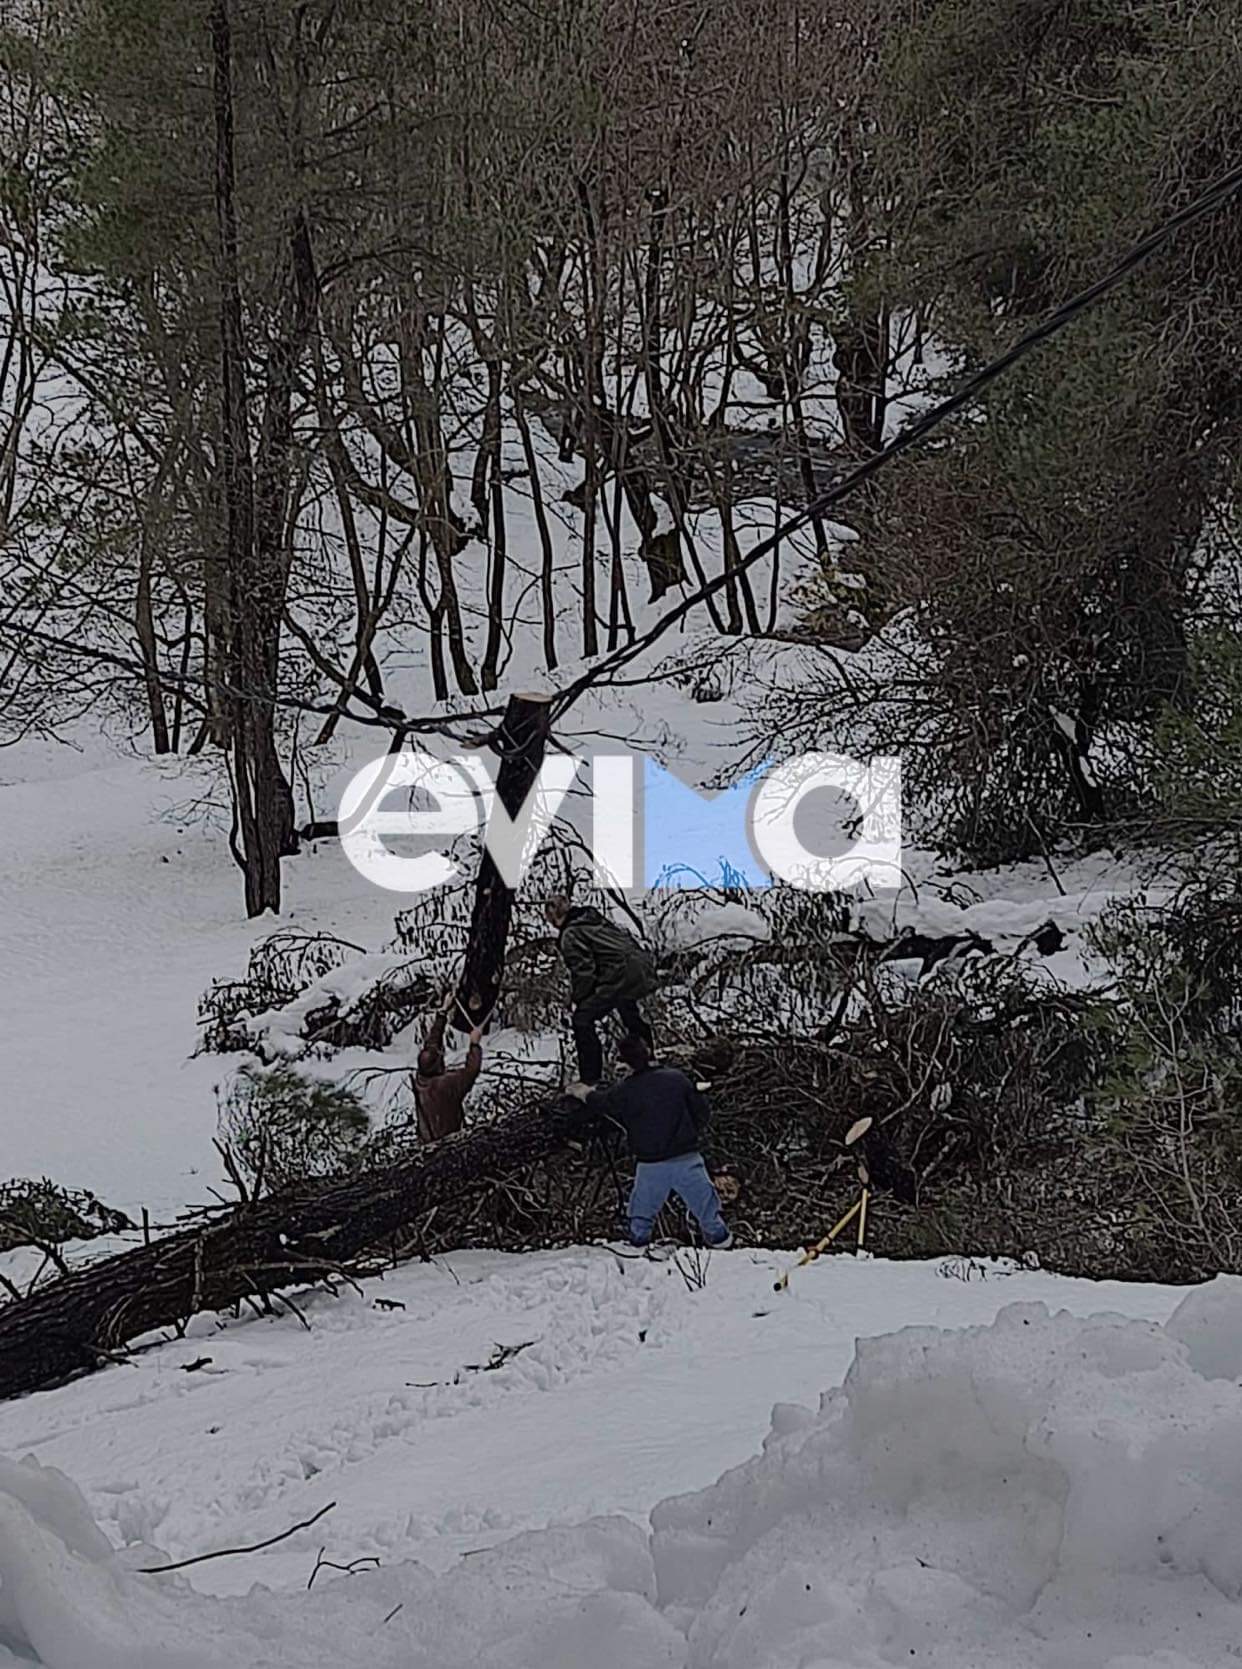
[256, 498]
[489, 501]
[273, 544]
[862, 342]
[593, 399]
[217, 613]
[1075, 752]
[520, 743]
[860, 358]
[547, 564]
[83, 1320]
[144, 625]
[253, 847]
[429, 461]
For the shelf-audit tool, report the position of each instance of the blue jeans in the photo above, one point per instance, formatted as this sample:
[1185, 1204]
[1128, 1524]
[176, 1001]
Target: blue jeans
[686, 1176]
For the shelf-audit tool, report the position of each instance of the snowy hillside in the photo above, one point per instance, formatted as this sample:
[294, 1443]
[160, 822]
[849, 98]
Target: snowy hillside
[512, 1448]
[747, 498]
[559, 1398]
[577, 1458]
[520, 1455]
[1031, 1491]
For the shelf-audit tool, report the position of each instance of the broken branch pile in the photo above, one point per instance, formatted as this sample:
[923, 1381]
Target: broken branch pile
[979, 1142]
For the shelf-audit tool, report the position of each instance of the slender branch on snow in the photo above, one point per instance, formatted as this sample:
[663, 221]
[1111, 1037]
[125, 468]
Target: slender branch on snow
[327, 1564]
[228, 1552]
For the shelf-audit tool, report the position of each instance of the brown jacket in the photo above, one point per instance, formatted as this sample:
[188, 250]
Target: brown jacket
[441, 1097]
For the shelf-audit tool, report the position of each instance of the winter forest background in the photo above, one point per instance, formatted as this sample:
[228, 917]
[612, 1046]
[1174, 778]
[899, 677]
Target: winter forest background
[353, 356]
[363, 367]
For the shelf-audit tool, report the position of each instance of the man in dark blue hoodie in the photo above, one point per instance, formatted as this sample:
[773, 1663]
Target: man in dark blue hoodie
[663, 1114]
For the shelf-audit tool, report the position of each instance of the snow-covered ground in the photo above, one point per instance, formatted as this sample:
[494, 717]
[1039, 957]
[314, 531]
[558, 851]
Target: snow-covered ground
[1036, 1493]
[630, 1386]
[120, 906]
[1031, 1491]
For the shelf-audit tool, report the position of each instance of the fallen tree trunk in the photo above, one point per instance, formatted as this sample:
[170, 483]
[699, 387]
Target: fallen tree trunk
[977, 1136]
[87, 1318]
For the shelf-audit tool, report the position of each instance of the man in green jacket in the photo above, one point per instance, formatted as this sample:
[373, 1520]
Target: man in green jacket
[608, 970]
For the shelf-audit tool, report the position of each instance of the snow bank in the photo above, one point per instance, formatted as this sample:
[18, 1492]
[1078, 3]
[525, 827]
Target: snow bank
[1040, 1493]
[559, 1599]
[65, 1599]
[1209, 1323]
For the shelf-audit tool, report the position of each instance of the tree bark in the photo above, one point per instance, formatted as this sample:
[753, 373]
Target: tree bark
[496, 617]
[520, 742]
[256, 496]
[861, 357]
[861, 354]
[547, 564]
[144, 626]
[258, 858]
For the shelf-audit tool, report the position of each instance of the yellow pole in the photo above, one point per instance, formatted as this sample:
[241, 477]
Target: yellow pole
[862, 1219]
[823, 1245]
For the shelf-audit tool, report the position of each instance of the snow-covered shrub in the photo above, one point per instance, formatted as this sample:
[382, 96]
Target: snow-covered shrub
[310, 993]
[282, 1130]
[278, 971]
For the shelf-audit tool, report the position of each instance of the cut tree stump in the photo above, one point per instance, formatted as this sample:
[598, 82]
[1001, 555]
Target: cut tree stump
[520, 742]
[86, 1319]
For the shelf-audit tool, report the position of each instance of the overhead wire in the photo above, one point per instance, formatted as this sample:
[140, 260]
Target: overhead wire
[1227, 187]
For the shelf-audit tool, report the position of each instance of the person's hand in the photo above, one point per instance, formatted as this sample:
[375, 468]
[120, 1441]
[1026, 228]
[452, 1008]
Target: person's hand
[579, 1091]
[476, 1036]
